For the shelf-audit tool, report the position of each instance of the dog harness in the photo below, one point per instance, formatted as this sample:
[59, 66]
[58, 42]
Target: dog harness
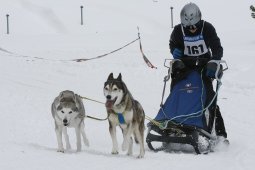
[194, 45]
[121, 118]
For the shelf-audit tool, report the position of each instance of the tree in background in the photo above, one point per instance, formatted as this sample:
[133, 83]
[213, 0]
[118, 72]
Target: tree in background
[253, 11]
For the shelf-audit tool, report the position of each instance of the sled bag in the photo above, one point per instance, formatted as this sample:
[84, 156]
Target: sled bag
[187, 97]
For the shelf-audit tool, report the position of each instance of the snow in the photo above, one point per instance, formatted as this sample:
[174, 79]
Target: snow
[51, 30]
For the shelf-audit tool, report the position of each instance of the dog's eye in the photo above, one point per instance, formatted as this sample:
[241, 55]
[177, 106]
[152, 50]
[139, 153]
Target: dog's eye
[106, 88]
[62, 111]
[70, 112]
[115, 89]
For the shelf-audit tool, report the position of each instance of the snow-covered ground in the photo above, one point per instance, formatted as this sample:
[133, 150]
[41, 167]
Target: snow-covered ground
[51, 30]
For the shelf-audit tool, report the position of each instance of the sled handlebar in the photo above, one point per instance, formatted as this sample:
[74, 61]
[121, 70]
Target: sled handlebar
[221, 66]
[168, 62]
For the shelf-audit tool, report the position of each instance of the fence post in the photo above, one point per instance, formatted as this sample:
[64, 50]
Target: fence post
[172, 22]
[81, 15]
[7, 20]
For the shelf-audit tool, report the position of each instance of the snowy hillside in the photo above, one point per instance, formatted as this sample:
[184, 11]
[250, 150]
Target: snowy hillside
[43, 33]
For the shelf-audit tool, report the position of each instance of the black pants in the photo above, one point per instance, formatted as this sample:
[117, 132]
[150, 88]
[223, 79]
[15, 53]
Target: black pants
[214, 110]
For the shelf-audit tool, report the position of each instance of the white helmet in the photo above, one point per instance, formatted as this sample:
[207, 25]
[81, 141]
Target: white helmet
[190, 15]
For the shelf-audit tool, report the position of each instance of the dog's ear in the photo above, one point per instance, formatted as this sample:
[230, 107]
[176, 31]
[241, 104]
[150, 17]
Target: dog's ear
[75, 109]
[61, 95]
[124, 88]
[59, 107]
[77, 102]
[74, 96]
[110, 77]
[119, 77]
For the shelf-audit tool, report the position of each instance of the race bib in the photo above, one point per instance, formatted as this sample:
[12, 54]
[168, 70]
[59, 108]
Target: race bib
[195, 45]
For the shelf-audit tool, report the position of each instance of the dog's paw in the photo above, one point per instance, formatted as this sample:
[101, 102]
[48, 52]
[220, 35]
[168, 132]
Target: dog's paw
[140, 156]
[115, 152]
[61, 150]
[130, 153]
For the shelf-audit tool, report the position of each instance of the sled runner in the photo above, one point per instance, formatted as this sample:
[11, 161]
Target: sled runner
[185, 118]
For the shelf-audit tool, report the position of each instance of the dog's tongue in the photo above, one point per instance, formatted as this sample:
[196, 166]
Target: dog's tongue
[109, 103]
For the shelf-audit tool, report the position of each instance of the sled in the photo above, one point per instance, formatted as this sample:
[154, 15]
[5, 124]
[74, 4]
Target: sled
[184, 118]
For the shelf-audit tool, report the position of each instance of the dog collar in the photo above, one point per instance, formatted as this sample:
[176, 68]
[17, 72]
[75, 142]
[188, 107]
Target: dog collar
[121, 118]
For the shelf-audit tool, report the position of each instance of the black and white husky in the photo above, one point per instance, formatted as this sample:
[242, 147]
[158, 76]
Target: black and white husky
[68, 111]
[125, 112]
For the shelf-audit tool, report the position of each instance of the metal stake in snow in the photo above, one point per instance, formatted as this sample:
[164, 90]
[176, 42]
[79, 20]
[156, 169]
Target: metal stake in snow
[7, 20]
[172, 25]
[81, 15]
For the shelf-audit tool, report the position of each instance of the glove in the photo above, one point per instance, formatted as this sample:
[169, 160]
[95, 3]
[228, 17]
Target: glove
[211, 70]
[177, 65]
[178, 69]
[177, 53]
[216, 58]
